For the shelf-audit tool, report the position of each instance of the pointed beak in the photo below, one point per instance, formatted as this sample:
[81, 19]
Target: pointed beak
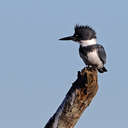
[68, 38]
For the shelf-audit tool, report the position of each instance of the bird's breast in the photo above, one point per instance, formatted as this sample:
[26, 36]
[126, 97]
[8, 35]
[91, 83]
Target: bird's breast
[93, 58]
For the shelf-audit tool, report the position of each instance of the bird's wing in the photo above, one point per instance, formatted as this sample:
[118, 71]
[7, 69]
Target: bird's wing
[101, 53]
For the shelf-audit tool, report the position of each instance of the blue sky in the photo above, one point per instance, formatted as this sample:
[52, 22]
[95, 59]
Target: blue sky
[37, 70]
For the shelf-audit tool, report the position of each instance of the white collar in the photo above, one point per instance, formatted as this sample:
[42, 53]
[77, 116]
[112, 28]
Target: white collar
[85, 43]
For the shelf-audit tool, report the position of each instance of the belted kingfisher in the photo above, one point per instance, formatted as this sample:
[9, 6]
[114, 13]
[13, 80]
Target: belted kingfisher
[92, 54]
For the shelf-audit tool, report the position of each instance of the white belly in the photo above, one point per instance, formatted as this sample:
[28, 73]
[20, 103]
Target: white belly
[94, 59]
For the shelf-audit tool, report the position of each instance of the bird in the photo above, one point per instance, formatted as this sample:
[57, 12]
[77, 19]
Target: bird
[92, 53]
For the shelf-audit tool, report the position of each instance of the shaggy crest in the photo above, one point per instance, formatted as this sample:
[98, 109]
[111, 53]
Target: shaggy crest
[84, 32]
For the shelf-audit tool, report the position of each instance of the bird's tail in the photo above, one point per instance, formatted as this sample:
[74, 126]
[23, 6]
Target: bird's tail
[102, 70]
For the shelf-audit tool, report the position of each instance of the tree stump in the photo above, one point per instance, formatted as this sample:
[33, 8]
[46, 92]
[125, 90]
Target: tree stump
[76, 101]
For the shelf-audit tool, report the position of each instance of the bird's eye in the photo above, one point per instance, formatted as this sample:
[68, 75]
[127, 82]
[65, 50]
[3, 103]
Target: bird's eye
[76, 35]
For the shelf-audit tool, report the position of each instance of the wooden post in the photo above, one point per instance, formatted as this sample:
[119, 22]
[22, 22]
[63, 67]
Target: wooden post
[76, 101]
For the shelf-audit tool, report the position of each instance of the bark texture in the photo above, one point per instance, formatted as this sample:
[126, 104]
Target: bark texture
[76, 101]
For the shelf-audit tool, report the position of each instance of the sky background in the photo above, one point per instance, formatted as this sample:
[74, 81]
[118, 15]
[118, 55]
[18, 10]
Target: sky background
[37, 70]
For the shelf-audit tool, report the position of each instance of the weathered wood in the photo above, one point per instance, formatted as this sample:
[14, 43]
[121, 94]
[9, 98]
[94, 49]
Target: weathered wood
[76, 101]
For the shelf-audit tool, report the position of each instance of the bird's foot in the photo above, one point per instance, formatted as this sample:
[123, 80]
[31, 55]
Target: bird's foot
[89, 67]
[92, 68]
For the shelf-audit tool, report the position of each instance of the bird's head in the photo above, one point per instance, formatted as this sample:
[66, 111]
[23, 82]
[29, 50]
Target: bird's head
[82, 33]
